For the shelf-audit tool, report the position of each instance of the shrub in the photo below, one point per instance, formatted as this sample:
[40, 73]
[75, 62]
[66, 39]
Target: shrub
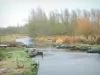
[5, 55]
[2, 56]
[8, 55]
[33, 63]
[29, 72]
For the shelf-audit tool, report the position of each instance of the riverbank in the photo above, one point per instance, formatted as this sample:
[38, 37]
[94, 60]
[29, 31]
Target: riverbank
[12, 37]
[72, 40]
[19, 63]
[87, 45]
[61, 38]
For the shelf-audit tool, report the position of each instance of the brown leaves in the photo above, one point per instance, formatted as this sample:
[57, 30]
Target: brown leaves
[83, 26]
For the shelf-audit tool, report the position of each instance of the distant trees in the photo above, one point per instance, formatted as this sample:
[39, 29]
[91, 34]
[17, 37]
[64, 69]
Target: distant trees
[8, 30]
[14, 30]
[38, 22]
[75, 22]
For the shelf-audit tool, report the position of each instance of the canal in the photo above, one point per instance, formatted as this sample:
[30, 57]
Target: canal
[65, 62]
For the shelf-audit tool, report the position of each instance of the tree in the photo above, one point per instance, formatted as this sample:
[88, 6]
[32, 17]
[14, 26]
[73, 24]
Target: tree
[77, 22]
[83, 27]
[38, 22]
[73, 23]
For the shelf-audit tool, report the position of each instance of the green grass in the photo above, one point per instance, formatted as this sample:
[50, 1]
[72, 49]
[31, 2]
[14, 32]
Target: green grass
[12, 63]
[17, 73]
[20, 54]
[20, 73]
[87, 45]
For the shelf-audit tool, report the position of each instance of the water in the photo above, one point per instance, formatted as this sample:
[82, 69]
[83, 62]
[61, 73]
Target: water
[68, 63]
[64, 62]
[26, 40]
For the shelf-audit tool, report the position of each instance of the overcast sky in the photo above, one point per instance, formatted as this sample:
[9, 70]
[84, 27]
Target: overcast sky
[17, 11]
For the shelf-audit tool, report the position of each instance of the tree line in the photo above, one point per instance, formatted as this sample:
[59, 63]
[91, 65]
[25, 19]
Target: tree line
[73, 23]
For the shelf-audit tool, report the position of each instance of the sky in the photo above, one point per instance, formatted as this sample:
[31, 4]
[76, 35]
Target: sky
[14, 12]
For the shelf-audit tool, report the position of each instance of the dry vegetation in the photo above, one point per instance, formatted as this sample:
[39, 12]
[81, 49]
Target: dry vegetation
[10, 37]
[66, 39]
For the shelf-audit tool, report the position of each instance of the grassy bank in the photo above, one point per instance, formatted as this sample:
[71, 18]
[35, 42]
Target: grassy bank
[74, 40]
[87, 45]
[19, 63]
[11, 37]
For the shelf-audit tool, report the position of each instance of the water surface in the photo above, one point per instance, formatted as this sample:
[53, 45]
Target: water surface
[64, 62]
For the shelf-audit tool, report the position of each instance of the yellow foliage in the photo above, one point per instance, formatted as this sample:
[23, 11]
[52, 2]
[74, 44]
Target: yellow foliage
[83, 25]
[59, 41]
[44, 39]
[62, 39]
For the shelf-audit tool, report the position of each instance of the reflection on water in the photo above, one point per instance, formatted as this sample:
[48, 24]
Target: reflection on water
[26, 40]
[64, 62]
